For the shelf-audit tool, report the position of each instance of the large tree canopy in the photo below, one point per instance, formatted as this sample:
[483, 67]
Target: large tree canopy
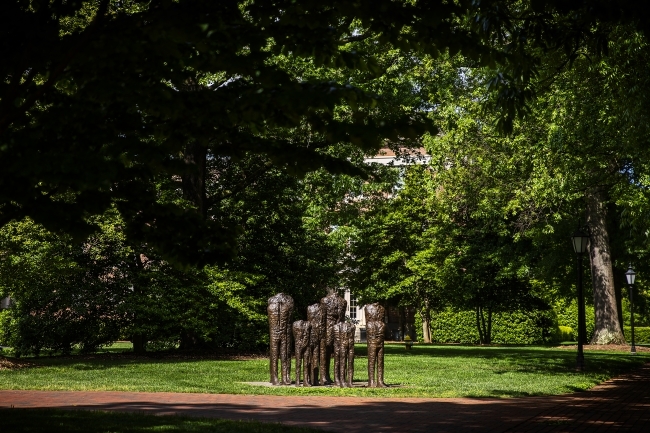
[184, 121]
[99, 97]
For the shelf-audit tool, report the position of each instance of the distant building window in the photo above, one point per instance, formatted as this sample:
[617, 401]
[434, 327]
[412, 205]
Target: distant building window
[353, 308]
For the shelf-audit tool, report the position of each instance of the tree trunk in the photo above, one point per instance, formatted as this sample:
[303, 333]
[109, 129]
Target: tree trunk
[139, 344]
[484, 326]
[426, 331]
[189, 340]
[400, 311]
[138, 340]
[194, 155]
[619, 302]
[193, 182]
[426, 323]
[607, 326]
[488, 333]
[478, 325]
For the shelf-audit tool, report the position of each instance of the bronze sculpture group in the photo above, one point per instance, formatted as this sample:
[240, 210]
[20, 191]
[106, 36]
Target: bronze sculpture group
[325, 334]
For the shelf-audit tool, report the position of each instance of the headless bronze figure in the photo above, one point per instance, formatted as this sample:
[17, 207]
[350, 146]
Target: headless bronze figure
[279, 310]
[301, 335]
[334, 308]
[316, 319]
[375, 329]
[344, 354]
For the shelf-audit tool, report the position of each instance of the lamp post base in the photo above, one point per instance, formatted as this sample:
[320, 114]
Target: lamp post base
[633, 350]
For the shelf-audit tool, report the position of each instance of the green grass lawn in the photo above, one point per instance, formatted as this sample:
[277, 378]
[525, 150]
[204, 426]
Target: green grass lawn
[58, 421]
[426, 371]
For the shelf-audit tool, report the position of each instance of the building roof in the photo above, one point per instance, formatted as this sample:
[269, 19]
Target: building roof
[387, 156]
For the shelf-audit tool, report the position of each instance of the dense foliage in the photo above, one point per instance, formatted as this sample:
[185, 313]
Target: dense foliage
[167, 166]
[105, 288]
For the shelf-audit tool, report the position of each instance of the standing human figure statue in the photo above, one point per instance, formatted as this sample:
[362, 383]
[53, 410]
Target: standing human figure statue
[316, 319]
[334, 308]
[279, 310]
[375, 329]
[301, 334]
[344, 354]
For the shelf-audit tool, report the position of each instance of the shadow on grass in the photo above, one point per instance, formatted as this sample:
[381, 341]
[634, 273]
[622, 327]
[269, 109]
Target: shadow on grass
[98, 421]
[425, 371]
[518, 356]
[509, 393]
[339, 415]
[105, 361]
[527, 359]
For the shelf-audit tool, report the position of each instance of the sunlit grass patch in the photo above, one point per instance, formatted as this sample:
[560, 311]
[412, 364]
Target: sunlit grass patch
[425, 371]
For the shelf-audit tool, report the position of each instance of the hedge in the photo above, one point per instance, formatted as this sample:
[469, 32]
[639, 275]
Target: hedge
[567, 315]
[641, 334]
[517, 327]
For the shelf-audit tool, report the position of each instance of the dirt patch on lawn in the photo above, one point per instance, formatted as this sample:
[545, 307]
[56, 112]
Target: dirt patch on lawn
[13, 364]
[612, 347]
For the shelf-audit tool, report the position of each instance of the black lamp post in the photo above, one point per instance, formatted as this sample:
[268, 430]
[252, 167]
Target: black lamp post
[580, 240]
[630, 275]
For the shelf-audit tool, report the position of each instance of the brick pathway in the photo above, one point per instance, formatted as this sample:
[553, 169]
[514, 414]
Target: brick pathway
[621, 405]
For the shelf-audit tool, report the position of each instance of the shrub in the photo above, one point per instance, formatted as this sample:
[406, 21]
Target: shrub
[565, 333]
[567, 315]
[641, 334]
[516, 327]
[5, 327]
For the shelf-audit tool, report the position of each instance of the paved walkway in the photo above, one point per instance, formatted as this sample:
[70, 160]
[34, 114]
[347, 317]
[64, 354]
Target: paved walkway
[619, 405]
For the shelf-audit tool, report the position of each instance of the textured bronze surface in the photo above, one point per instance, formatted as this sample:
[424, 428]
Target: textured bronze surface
[301, 333]
[334, 308]
[344, 354]
[375, 329]
[316, 318]
[279, 310]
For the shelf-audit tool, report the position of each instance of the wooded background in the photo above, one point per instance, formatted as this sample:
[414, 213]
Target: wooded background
[166, 166]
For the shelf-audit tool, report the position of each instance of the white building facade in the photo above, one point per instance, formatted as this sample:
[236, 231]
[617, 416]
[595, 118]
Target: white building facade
[356, 314]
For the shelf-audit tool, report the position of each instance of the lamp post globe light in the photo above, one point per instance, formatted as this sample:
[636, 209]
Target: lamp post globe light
[580, 239]
[630, 275]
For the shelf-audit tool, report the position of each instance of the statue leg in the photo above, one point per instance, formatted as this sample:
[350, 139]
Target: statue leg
[323, 359]
[337, 363]
[342, 370]
[298, 362]
[284, 361]
[306, 368]
[351, 365]
[328, 361]
[273, 360]
[380, 368]
[306, 380]
[372, 355]
[313, 370]
[286, 365]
